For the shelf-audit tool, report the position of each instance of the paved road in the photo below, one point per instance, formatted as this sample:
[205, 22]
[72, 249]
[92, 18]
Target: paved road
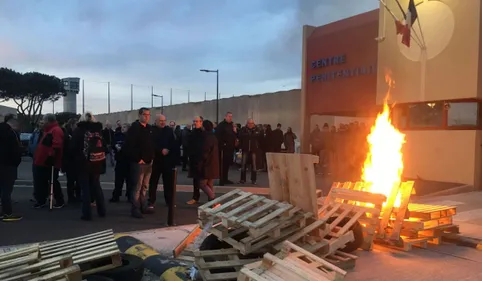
[41, 224]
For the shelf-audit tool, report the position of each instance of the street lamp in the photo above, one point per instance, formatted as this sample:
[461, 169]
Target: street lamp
[162, 101]
[217, 91]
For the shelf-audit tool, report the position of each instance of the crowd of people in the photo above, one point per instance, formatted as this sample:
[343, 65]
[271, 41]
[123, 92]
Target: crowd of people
[141, 154]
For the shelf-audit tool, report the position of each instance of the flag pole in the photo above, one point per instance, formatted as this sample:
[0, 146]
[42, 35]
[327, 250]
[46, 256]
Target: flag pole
[405, 17]
[395, 18]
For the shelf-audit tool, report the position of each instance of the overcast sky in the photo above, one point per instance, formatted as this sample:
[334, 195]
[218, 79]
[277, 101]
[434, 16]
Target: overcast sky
[256, 44]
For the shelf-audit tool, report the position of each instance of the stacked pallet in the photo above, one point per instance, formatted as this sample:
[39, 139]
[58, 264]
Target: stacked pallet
[26, 264]
[291, 263]
[250, 223]
[64, 260]
[93, 253]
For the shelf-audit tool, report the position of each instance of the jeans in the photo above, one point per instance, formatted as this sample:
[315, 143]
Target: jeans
[244, 161]
[140, 175]
[7, 181]
[91, 190]
[167, 181]
[207, 185]
[43, 177]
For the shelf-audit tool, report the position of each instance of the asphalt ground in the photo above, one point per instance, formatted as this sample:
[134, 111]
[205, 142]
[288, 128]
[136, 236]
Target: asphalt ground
[43, 224]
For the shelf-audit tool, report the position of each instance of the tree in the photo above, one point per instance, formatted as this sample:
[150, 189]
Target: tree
[29, 91]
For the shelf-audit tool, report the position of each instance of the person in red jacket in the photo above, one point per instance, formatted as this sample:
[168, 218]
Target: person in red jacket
[48, 161]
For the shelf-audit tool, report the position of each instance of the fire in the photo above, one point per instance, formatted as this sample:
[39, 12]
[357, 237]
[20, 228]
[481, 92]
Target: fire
[384, 163]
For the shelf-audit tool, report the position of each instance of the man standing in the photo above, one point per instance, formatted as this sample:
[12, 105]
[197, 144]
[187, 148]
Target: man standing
[195, 157]
[10, 158]
[32, 146]
[226, 140]
[278, 138]
[108, 138]
[139, 148]
[186, 132]
[249, 140]
[163, 164]
[48, 161]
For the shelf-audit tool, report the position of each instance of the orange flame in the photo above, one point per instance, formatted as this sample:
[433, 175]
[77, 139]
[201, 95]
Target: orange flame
[384, 163]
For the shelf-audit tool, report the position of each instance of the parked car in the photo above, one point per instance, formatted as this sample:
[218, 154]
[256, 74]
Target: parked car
[24, 139]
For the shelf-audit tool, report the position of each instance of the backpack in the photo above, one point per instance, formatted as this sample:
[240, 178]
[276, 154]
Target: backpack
[93, 147]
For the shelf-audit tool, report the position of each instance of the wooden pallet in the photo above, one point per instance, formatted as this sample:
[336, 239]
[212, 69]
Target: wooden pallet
[259, 214]
[92, 253]
[354, 206]
[292, 179]
[25, 264]
[314, 239]
[342, 260]
[242, 239]
[229, 261]
[292, 263]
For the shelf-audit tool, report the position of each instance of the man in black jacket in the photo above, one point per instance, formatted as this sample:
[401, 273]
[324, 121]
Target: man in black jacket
[226, 140]
[164, 161]
[140, 151]
[249, 141]
[278, 138]
[10, 158]
[186, 132]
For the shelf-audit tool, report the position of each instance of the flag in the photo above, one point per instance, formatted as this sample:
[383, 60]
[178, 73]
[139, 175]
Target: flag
[410, 19]
[399, 26]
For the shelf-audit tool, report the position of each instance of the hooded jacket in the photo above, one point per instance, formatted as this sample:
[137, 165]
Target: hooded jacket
[50, 147]
[77, 148]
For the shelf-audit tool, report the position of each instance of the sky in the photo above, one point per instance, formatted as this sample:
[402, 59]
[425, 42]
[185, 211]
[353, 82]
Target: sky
[162, 44]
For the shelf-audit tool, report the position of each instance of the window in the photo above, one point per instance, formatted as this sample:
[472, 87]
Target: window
[426, 115]
[462, 114]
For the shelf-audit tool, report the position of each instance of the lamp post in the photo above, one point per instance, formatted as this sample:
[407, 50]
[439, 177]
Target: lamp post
[217, 91]
[162, 101]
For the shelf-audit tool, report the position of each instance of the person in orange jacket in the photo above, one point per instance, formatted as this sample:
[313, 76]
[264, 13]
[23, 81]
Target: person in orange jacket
[48, 161]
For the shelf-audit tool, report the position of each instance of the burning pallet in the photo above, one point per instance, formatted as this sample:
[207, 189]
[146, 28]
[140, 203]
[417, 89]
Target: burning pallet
[291, 263]
[408, 224]
[26, 264]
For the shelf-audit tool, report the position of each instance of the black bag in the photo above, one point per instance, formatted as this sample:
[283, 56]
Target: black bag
[94, 150]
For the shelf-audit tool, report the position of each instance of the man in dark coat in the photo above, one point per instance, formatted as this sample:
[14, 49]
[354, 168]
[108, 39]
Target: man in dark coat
[226, 136]
[164, 161]
[186, 132]
[140, 149]
[249, 142]
[195, 156]
[10, 158]
[278, 138]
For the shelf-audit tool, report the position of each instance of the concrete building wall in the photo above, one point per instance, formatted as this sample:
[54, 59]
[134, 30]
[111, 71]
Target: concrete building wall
[270, 108]
[447, 70]
[5, 110]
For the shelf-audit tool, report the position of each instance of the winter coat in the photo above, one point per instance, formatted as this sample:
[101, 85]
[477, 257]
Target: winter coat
[250, 139]
[49, 151]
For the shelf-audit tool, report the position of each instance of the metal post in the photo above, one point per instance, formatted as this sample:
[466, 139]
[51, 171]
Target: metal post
[53, 107]
[188, 96]
[205, 94]
[171, 98]
[108, 97]
[217, 96]
[132, 96]
[162, 104]
[152, 96]
[83, 96]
